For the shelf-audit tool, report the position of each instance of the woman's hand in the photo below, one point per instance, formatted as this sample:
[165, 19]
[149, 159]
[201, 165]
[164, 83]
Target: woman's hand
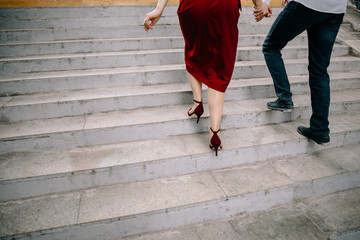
[151, 19]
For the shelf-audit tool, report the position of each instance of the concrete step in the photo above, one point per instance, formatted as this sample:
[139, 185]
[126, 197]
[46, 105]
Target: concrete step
[156, 122]
[47, 24]
[8, 14]
[101, 45]
[332, 216]
[148, 75]
[127, 209]
[98, 21]
[77, 13]
[53, 34]
[51, 171]
[45, 63]
[90, 101]
[77, 22]
[116, 45]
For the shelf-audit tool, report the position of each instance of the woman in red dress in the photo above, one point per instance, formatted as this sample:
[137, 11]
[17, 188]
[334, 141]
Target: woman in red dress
[211, 34]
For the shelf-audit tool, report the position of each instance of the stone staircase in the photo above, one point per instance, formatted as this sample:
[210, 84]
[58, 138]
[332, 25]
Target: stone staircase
[96, 142]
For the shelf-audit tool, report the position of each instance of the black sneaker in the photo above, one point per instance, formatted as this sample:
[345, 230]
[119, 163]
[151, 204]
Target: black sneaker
[281, 105]
[319, 138]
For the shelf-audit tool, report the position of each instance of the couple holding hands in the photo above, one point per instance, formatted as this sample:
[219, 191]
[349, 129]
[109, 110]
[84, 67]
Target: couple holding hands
[210, 30]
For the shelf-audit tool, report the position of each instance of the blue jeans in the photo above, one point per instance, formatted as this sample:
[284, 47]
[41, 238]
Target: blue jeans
[322, 29]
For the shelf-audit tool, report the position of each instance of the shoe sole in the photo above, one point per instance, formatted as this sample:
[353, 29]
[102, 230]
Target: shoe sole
[281, 109]
[318, 142]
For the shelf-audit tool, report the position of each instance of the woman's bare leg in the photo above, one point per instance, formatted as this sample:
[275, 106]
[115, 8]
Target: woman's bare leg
[216, 104]
[215, 101]
[196, 87]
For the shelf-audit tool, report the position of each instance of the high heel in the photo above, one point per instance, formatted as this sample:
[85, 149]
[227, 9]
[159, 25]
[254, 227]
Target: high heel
[199, 110]
[215, 142]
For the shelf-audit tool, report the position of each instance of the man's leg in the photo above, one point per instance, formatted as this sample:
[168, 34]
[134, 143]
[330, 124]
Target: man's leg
[292, 21]
[321, 38]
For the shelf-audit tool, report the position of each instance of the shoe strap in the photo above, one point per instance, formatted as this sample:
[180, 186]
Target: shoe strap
[215, 132]
[197, 101]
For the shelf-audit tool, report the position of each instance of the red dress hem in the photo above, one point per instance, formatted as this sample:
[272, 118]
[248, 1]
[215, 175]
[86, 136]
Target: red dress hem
[211, 34]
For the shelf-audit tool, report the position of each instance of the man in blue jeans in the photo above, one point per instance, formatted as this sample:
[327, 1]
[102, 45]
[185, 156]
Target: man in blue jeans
[322, 20]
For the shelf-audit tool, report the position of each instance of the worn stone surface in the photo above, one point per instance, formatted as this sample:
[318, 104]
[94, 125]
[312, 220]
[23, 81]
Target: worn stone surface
[320, 164]
[39, 213]
[37, 127]
[282, 223]
[142, 197]
[176, 234]
[334, 216]
[339, 211]
[239, 181]
[129, 125]
[216, 231]
[209, 195]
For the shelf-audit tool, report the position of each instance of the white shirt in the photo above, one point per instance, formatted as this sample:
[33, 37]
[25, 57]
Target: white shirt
[328, 6]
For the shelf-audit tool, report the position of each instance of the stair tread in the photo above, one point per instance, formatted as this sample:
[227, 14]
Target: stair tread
[138, 25]
[147, 116]
[137, 52]
[61, 62]
[116, 59]
[117, 39]
[95, 54]
[93, 32]
[103, 39]
[303, 218]
[17, 49]
[140, 69]
[47, 163]
[96, 11]
[123, 91]
[78, 12]
[210, 189]
[98, 93]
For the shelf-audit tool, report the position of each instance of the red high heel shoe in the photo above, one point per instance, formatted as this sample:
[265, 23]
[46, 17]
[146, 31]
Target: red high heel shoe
[199, 110]
[215, 142]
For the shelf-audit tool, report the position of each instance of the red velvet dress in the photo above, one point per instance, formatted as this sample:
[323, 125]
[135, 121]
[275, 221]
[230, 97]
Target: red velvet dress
[211, 34]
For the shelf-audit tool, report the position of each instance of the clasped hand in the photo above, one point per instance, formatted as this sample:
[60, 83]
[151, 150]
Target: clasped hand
[261, 11]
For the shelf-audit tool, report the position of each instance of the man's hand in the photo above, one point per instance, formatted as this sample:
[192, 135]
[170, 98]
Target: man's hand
[262, 10]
